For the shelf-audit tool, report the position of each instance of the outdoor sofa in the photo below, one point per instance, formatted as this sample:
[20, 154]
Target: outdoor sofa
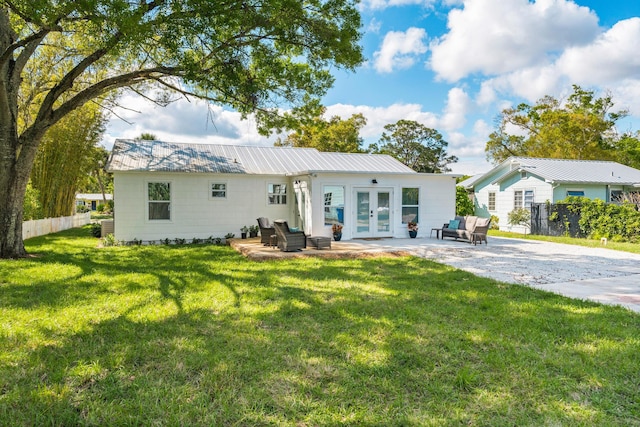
[469, 228]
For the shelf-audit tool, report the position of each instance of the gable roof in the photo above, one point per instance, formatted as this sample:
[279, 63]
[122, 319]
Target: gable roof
[158, 156]
[561, 171]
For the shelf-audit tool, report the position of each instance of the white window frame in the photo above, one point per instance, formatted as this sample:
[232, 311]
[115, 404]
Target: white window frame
[515, 199]
[410, 206]
[211, 190]
[489, 203]
[328, 201]
[524, 198]
[277, 197]
[149, 201]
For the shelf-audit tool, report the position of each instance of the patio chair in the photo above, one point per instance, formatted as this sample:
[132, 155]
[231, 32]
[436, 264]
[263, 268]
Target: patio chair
[479, 234]
[288, 240]
[266, 230]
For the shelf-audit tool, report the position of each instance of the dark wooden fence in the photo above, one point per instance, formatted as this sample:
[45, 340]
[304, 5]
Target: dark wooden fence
[555, 220]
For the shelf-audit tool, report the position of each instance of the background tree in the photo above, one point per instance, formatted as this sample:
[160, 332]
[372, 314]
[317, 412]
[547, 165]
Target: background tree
[67, 154]
[421, 148]
[464, 204]
[252, 56]
[333, 135]
[582, 128]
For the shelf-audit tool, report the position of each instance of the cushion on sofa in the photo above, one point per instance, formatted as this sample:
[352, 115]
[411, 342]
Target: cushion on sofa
[454, 224]
[468, 223]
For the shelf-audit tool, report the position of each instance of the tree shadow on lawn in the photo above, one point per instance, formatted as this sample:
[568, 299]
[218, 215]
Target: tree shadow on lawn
[398, 340]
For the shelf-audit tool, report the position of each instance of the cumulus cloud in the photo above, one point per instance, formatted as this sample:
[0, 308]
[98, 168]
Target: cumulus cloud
[400, 50]
[181, 121]
[611, 57]
[458, 104]
[383, 4]
[378, 117]
[495, 36]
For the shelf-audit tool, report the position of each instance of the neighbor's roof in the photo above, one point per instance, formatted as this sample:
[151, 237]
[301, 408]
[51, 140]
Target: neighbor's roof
[562, 171]
[577, 171]
[158, 156]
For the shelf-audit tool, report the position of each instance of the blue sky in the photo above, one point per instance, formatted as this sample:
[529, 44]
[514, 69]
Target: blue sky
[451, 65]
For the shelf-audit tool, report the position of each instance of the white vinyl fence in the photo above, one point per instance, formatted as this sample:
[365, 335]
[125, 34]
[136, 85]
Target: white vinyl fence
[40, 227]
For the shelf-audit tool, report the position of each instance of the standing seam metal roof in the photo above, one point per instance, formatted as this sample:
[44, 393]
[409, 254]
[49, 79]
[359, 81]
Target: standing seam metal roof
[158, 156]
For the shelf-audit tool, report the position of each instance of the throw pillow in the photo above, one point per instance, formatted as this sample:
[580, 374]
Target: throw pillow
[294, 229]
[454, 223]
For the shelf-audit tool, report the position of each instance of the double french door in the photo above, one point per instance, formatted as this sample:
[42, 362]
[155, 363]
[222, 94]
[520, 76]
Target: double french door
[373, 213]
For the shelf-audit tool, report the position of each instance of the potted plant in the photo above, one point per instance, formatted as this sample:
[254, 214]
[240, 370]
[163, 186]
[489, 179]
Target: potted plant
[243, 231]
[336, 229]
[253, 231]
[412, 226]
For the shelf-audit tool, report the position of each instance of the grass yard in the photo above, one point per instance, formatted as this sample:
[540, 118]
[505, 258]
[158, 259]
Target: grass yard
[590, 243]
[197, 335]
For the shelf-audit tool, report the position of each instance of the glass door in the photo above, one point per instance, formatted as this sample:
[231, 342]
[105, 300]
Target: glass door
[373, 212]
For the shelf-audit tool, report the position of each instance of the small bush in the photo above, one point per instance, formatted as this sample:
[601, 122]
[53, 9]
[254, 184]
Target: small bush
[96, 229]
[109, 240]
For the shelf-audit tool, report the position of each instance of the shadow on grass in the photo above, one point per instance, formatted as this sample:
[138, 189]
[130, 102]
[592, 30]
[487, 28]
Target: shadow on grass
[199, 335]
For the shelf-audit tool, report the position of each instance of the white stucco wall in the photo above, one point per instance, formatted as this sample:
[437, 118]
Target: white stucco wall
[193, 212]
[437, 200]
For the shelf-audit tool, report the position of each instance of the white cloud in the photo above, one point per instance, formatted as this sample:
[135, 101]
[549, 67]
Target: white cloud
[383, 4]
[455, 112]
[378, 117]
[496, 36]
[400, 50]
[182, 121]
[611, 57]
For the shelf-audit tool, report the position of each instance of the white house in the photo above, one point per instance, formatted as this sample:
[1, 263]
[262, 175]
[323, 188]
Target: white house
[171, 190]
[92, 200]
[521, 181]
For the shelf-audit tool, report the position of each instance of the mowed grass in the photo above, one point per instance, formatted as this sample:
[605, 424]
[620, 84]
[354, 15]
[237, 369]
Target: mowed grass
[198, 335]
[590, 243]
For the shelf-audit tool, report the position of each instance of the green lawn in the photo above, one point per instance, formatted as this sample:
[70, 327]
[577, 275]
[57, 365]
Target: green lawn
[591, 243]
[197, 335]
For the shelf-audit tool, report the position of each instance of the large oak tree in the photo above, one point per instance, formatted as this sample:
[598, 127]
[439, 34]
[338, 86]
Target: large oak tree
[581, 128]
[251, 55]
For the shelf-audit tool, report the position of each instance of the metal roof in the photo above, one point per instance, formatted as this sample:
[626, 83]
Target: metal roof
[574, 171]
[158, 156]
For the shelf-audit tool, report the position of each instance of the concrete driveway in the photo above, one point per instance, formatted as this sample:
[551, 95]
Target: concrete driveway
[598, 274]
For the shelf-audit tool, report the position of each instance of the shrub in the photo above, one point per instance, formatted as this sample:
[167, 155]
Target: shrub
[464, 205]
[96, 229]
[520, 216]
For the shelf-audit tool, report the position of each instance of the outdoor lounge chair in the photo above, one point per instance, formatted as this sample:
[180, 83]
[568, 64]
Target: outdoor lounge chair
[266, 230]
[288, 240]
[470, 228]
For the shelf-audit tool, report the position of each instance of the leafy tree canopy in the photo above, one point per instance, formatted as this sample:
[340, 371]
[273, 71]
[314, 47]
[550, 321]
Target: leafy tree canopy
[421, 148]
[581, 128]
[254, 56]
[334, 135]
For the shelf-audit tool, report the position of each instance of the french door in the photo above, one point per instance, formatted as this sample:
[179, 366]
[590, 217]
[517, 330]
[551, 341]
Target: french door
[373, 213]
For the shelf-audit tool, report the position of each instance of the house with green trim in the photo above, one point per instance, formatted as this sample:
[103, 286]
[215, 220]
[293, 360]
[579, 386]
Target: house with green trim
[518, 182]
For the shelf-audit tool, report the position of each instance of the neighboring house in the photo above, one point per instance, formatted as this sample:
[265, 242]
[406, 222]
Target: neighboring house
[520, 181]
[170, 190]
[91, 200]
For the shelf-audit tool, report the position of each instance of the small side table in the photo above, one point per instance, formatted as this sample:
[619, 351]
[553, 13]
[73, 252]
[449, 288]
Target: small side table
[273, 241]
[437, 230]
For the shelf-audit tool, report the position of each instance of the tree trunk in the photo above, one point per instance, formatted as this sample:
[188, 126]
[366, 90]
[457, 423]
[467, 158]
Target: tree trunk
[13, 185]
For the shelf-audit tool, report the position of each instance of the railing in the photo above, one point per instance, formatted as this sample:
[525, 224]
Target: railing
[40, 227]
